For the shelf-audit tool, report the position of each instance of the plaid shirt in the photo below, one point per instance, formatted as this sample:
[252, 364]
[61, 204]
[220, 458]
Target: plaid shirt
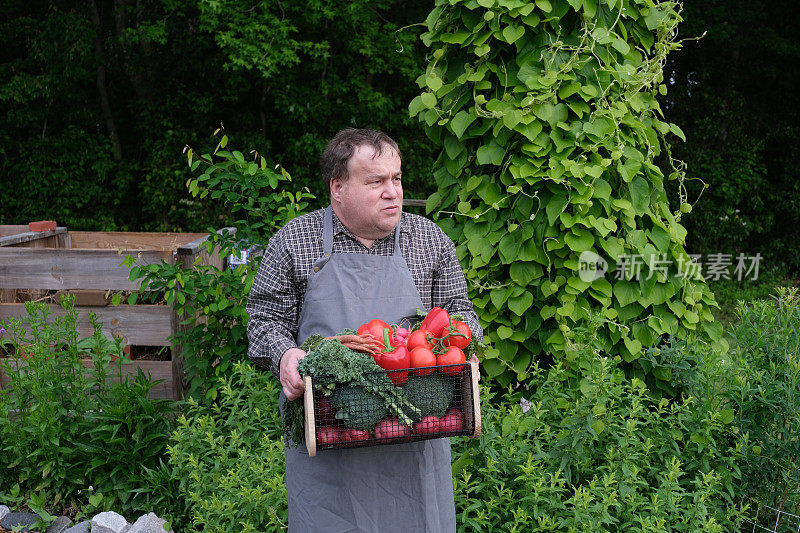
[278, 292]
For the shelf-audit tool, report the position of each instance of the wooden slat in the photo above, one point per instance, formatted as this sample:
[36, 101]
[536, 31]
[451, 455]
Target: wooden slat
[140, 325]
[38, 239]
[158, 370]
[310, 423]
[131, 240]
[12, 229]
[33, 268]
[412, 202]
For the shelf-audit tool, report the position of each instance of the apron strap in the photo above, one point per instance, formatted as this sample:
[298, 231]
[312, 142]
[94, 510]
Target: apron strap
[327, 231]
[327, 234]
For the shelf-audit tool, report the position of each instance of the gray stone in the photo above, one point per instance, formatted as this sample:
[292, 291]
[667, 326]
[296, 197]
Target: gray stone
[80, 527]
[17, 520]
[4, 510]
[59, 525]
[109, 522]
[149, 523]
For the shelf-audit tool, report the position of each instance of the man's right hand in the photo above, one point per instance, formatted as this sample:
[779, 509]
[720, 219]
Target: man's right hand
[293, 384]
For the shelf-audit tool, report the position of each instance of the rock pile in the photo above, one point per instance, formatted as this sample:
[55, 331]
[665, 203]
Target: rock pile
[105, 522]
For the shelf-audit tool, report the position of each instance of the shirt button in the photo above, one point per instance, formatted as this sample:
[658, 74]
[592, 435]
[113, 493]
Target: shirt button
[316, 269]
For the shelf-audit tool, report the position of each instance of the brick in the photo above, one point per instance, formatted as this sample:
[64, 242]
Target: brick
[42, 225]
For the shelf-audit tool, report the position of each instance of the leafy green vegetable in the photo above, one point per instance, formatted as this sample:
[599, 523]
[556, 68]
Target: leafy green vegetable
[357, 407]
[333, 365]
[430, 394]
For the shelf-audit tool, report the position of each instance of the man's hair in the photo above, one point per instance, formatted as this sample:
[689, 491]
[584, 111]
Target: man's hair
[340, 149]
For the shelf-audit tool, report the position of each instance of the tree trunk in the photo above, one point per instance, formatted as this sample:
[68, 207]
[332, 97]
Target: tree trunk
[105, 104]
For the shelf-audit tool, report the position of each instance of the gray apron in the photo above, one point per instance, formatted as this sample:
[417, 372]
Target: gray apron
[401, 487]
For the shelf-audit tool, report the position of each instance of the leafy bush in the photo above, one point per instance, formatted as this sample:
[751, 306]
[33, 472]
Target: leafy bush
[548, 117]
[212, 298]
[228, 457]
[595, 452]
[766, 397]
[73, 433]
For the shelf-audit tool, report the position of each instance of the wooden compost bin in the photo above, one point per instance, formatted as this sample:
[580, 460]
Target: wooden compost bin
[87, 263]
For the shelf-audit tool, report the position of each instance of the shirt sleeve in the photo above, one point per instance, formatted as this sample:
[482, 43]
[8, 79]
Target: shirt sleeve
[272, 307]
[449, 288]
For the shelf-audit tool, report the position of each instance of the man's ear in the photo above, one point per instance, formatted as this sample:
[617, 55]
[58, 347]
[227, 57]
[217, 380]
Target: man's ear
[336, 189]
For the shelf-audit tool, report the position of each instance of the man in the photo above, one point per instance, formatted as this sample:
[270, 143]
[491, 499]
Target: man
[359, 259]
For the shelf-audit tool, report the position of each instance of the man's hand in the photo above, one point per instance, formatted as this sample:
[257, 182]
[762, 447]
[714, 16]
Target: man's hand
[293, 385]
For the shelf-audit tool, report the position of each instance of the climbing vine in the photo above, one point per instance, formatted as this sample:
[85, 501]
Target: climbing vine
[548, 178]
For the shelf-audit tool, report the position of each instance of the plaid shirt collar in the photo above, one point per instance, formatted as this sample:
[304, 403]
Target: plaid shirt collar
[340, 229]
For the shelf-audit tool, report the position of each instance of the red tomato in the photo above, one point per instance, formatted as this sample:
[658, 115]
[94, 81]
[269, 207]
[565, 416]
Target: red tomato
[453, 420]
[453, 356]
[375, 328]
[428, 424]
[423, 360]
[460, 335]
[421, 337]
[436, 321]
[329, 435]
[390, 429]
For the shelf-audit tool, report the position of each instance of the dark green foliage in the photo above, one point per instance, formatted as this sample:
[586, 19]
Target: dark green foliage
[257, 200]
[282, 78]
[430, 394]
[736, 97]
[357, 407]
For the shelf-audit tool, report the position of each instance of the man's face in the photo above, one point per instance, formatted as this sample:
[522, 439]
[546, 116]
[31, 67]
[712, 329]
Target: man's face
[370, 201]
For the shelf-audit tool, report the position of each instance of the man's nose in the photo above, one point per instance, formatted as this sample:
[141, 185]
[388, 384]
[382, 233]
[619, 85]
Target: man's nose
[391, 190]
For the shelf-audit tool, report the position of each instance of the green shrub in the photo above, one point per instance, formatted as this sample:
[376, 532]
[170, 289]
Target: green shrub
[73, 433]
[214, 298]
[766, 398]
[228, 457]
[595, 452]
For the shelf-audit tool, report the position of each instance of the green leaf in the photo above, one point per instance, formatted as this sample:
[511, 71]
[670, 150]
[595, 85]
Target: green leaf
[579, 240]
[461, 122]
[509, 248]
[428, 100]
[640, 194]
[626, 292]
[512, 32]
[523, 272]
[544, 5]
[726, 416]
[598, 426]
[520, 304]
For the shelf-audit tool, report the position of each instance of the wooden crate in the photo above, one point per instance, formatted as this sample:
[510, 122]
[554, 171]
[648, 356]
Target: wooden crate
[465, 400]
[88, 264]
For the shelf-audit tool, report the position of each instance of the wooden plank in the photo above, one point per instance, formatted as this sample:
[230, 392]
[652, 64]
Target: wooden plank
[85, 297]
[32, 268]
[33, 238]
[476, 401]
[158, 371]
[12, 229]
[412, 202]
[310, 423]
[140, 325]
[131, 240]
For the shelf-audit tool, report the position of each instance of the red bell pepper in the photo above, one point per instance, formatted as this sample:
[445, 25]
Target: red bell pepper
[436, 321]
[393, 357]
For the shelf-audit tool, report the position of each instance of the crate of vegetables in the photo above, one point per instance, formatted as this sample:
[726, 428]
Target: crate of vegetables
[382, 384]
